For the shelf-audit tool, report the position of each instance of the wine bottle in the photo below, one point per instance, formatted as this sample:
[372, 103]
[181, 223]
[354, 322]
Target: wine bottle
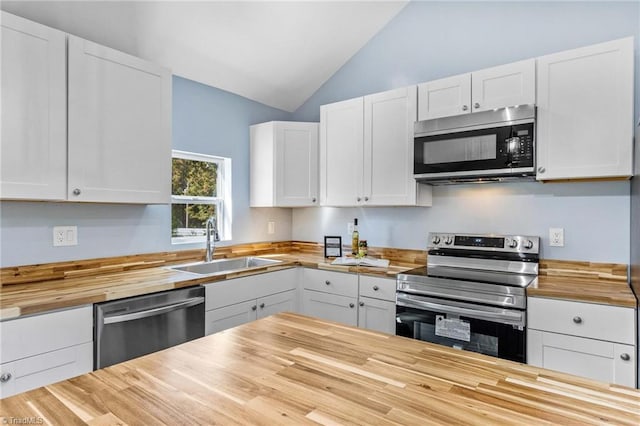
[355, 238]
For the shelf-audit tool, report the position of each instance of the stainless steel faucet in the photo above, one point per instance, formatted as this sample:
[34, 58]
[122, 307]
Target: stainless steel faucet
[211, 226]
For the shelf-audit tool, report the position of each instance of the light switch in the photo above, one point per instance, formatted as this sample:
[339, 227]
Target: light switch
[65, 236]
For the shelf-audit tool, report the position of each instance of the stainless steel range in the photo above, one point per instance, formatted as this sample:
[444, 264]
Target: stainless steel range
[471, 294]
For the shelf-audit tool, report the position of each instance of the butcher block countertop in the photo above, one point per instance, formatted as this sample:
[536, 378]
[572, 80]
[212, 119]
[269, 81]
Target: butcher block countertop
[292, 369]
[34, 289]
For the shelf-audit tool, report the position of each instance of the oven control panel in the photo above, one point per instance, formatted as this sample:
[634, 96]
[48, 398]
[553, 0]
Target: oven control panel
[487, 242]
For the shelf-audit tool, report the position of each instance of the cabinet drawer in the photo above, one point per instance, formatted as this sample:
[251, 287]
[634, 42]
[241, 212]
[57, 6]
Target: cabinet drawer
[25, 337]
[41, 370]
[339, 283]
[378, 288]
[611, 323]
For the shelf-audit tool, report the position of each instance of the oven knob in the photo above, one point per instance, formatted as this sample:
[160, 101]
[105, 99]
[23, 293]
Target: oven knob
[436, 240]
[528, 244]
[448, 240]
[513, 243]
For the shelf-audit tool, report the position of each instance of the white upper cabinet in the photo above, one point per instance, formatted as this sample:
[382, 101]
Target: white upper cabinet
[445, 97]
[33, 147]
[119, 126]
[284, 164]
[497, 87]
[585, 112]
[366, 151]
[341, 152]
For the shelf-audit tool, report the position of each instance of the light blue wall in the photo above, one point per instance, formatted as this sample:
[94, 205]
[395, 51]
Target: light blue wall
[206, 120]
[430, 40]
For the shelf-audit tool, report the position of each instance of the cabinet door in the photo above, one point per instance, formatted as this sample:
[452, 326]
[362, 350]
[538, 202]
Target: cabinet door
[330, 307]
[33, 150]
[280, 302]
[504, 86]
[445, 97]
[388, 147]
[585, 112]
[50, 367]
[119, 126]
[378, 315]
[341, 153]
[230, 316]
[296, 164]
[594, 359]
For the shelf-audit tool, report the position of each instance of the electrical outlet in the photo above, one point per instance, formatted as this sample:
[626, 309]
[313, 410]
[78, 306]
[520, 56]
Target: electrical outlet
[349, 228]
[271, 227]
[556, 237]
[65, 236]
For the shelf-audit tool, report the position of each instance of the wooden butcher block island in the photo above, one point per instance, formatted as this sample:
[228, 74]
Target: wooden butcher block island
[293, 369]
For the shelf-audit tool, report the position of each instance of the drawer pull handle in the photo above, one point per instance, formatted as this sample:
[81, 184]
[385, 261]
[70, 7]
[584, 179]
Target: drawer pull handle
[376, 288]
[7, 376]
[625, 357]
[327, 282]
[351, 305]
[577, 320]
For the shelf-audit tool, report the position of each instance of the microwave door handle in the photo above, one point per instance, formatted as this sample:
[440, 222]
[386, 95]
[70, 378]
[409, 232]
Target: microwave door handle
[504, 315]
[153, 312]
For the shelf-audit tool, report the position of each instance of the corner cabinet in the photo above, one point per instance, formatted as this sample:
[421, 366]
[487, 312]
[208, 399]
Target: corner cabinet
[497, 87]
[80, 121]
[33, 151]
[283, 164]
[585, 339]
[585, 112]
[366, 151]
[42, 349]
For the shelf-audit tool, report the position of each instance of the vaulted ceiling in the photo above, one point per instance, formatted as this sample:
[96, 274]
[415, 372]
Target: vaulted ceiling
[274, 52]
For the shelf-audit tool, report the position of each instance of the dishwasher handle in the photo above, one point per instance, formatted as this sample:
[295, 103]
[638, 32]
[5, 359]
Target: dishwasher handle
[153, 312]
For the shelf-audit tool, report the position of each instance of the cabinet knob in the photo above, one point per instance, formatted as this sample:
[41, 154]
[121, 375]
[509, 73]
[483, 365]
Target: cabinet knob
[366, 198]
[254, 307]
[351, 305]
[361, 303]
[327, 282]
[464, 107]
[625, 357]
[376, 288]
[358, 199]
[76, 191]
[541, 169]
[262, 306]
[313, 200]
[577, 320]
[7, 376]
[476, 105]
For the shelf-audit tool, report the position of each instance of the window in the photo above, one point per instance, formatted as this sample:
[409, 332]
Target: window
[200, 188]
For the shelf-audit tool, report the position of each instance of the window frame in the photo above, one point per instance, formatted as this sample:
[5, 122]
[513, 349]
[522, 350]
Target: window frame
[222, 200]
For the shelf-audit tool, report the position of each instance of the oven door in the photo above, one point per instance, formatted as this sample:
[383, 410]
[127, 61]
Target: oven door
[488, 330]
[495, 151]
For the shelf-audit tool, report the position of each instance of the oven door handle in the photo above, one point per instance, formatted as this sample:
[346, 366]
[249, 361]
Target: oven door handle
[501, 315]
[153, 312]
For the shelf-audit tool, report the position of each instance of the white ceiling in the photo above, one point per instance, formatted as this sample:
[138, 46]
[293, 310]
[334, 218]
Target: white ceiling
[277, 53]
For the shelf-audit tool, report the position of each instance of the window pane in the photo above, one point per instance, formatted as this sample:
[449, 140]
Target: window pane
[188, 220]
[191, 177]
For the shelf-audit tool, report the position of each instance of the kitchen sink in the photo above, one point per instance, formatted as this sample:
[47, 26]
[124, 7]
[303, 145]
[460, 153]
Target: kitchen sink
[225, 265]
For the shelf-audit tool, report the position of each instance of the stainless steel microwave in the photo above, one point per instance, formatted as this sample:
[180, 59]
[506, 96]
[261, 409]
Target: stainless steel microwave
[496, 145]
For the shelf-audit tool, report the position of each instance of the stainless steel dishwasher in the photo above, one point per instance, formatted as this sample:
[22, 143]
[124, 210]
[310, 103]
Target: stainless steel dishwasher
[136, 326]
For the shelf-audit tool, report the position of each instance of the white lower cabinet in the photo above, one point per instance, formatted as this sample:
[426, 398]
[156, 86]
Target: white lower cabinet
[237, 301]
[586, 339]
[377, 304]
[44, 349]
[332, 307]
